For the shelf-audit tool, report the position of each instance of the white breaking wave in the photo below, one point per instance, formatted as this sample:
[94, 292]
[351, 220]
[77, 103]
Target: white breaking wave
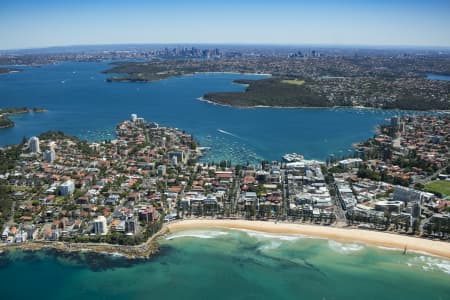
[266, 236]
[428, 263]
[270, 246]
[388, 248]
[201, 234]
[344, 248]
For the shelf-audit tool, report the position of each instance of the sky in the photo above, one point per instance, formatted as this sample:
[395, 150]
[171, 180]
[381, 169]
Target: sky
[43, 23]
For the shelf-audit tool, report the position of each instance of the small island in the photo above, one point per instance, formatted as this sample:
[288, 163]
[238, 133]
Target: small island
[9, 70]
[5, 121]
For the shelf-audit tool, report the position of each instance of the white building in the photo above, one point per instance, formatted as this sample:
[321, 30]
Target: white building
[33, 144]
[350, 163]
[395, 122]
[161, 170]
[406, 195]
[100, 225]
[389, 206]
[67, 188]
[49, 155]
[138, 121]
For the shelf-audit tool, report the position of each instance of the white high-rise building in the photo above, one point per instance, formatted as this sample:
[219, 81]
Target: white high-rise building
[174, 160]
[52, 145]
[133, 117]
[49, 155]
[161, 170]
[407, 195]
[100, 225]
[33, 144]
[67, 188]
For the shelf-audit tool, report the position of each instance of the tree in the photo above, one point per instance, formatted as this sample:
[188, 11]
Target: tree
[407, 225]
[416, 225]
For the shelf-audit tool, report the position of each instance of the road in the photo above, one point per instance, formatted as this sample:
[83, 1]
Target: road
[340, 213]
[13, 207]
[285, 205]
[429, 178]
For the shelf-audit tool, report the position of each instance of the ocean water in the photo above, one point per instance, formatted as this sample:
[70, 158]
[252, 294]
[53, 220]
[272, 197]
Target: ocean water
[231, 264]
[81, 103]
[438, 77]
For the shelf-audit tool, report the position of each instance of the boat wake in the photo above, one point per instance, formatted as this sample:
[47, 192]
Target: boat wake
[227, 133]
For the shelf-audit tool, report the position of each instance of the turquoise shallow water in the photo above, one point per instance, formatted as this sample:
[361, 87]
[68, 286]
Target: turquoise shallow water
[81, 103]
[228, 264]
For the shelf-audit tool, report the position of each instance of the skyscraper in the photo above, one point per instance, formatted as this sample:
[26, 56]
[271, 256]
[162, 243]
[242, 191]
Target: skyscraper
[100, 225]
[49, 155]
[67, 188]
[33, 144]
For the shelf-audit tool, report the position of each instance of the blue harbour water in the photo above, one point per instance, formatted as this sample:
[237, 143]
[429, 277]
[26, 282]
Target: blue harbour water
[438, 77]
[230, 264]
[80, 102]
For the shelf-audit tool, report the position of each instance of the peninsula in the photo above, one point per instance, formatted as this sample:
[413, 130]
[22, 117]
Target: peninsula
[299, 81]
[273, 92]
[116, 196]
[6, 122]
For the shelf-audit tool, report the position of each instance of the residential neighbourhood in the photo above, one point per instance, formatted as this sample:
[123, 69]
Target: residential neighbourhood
[121, 191]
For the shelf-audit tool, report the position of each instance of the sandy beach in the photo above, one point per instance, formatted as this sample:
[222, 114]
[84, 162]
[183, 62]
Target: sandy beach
[374, 238]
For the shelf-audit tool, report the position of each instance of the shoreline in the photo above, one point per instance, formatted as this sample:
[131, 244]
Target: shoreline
[319, 107]
[358, 107]
[381, 240]
[127, 80]
[345, 235]
[9, 72]
[141, 251]
[130, 80]
[5, 71]
[236, 73]
[4, 116]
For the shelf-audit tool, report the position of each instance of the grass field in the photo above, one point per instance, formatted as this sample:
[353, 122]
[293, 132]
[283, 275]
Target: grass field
[294, 81]
[439, 186]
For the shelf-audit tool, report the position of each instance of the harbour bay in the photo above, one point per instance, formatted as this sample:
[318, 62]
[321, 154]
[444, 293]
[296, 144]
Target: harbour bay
[225, 150]
[81, 103]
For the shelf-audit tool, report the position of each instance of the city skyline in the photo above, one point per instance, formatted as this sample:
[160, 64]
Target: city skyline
[27, 24]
